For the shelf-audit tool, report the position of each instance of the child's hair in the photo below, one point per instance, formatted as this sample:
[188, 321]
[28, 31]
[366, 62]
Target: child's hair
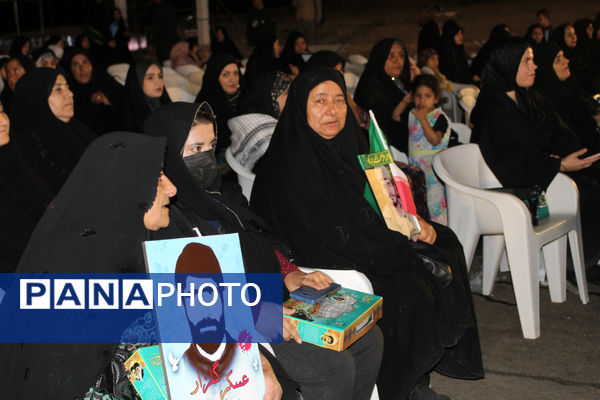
[426, 80]
[544, 12]
[424, 56]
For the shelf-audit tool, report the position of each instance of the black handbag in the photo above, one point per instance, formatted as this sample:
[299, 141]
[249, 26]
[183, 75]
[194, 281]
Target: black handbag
[433, 262]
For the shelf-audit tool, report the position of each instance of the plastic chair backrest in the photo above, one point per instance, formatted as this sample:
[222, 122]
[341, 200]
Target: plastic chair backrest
[463, 131]
[178, 94]
[465, 165]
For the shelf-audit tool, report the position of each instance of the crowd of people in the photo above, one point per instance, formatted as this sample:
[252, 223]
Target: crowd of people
[77, 196]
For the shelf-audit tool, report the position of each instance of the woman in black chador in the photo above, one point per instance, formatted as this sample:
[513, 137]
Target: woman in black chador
[310, 189]
[51, 139]
[525, 143]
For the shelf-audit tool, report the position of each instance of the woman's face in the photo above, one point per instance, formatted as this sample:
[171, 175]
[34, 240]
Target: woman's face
[570, 36]
[537, 35]
[229, 78]
[14, 72]
[300, 45]
[116, 14]
[433, 62]
[157, 216]
[219, 35]
[61, 100]
[561, 66]
[4, 127]
[25, 49]
[526, 71]
[201, 138]
[590, 30]
[85, 43]
[458, 38]
[326, 109]
[395, 62]
[81, 67]
[277, 48]
[153, 82]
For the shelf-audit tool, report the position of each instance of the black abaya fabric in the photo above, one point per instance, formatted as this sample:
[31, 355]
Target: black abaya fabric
[23, 200]
[212, 92]
[7, 94]
[194, 205]
[227, 46]
[288, 54]
[588, 47]
[325, 58]
[100, 117]
[311, 191]
[518, 139]
[52, 147]
[136, 106]
[430, 37]
[95, 224]
[453, 59]
[263, 96]
[574, 106]
[262, 58]
[377, 91]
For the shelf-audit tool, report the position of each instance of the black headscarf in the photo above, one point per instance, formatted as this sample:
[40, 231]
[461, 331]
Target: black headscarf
[99, 117]
[262, 57]
[17, 45]
[227, 46]
[224, 105]
[268, 86]
[378, 92]
[7, 94]
[589, 48]
[52, 147]
[325, 58]
[453, 60]
[311, 190]
[529, 33]
[570, 101]
[497, 36]
[136, 106]
[289, 55]
[195, 206]
[95, 224]
[429, 37]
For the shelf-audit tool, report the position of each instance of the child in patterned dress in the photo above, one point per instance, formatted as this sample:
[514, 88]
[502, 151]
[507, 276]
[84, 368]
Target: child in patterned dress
[428, 133]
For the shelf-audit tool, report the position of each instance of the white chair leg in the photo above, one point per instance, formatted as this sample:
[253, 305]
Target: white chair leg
[524, 265]
[577, 255]
[469, 242]
[555, 259]
[493, 247]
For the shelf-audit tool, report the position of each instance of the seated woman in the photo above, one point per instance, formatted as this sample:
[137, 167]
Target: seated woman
[205, 206]
[264, 57]
[498, 35]
[564, 35]
[220, 43]
[51, 139]
[96, 94]
[44, 57]
[534, 35]
[221, 88]
[23, 199]
[144, 92]
[14, 68]
[524, 142]
[90, 228]
[291, 60]
[384, 88]
[310, 189]
[578, 110]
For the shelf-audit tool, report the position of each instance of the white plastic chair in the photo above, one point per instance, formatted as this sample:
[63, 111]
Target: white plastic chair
[474, 211]
[245, 176]
[466, 99]
[398, 155]
[178, 94]
[463, 131]
[118, 72]
[187, 69]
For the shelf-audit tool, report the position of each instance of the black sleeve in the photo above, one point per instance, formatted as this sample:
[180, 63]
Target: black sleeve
[441, 124]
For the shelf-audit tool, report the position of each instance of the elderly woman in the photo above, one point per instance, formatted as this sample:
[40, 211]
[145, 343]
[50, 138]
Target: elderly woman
[310, 188]
[144, 92]
[525, 143]
[23, 199]
[116, 194]
[384, 87]
[51, 139]
[96, 94]
[203, 204]
[221, 88]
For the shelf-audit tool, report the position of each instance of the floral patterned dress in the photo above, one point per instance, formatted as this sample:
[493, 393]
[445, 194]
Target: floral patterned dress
[420, 154]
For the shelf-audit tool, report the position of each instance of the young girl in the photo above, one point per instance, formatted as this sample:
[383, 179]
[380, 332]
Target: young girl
[428, 133]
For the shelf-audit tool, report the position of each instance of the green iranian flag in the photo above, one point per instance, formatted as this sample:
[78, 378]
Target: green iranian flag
[377, 143]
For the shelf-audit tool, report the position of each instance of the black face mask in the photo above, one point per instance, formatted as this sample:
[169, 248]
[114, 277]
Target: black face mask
[203, 167]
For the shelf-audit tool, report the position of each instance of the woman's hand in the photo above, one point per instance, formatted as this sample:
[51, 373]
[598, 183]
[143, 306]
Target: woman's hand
[99, 98]
[427, 234]
[289, 330]
[317, 280]
[414, 70]
[572, 162]
[401, 107]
